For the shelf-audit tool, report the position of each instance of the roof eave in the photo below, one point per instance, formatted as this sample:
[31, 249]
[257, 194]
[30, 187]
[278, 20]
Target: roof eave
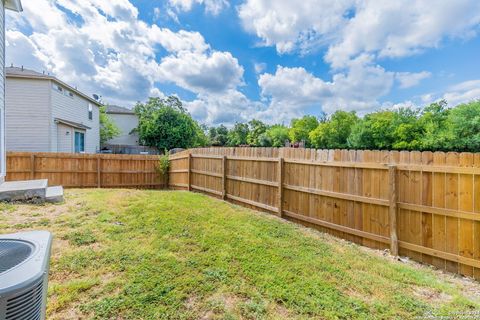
[55, 79]
[15, 5]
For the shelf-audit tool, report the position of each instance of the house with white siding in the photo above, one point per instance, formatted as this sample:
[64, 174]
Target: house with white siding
[128, 141]
[14, 5]
[127, 122]
[44, 114]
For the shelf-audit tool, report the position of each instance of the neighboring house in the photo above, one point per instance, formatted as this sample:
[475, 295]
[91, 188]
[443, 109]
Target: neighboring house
[127, 121]
[14, 5]
[44, 114]
[127, 142]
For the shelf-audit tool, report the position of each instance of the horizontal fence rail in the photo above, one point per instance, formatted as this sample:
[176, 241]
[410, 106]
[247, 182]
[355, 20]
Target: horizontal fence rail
[86, 170]
[422, 205]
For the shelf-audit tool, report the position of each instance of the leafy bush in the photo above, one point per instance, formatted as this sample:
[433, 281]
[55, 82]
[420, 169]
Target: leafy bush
[163, 166]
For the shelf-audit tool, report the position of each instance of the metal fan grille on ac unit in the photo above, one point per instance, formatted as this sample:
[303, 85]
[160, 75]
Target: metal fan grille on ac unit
[12, 253]
[27, 305]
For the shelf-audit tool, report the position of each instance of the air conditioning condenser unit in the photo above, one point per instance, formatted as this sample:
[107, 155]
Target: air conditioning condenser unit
[24, 264]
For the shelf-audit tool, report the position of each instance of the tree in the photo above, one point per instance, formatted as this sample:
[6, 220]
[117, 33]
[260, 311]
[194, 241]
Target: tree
[277, 134]
[108, 129]
[256, 129]
[463, 127]
[300, 129]
[201, 139]
[333, 133]
[374, 131]
[238, 135]
[387, 130]
[165, 124]
[407, 129]
[264, 140]
[434, 123]
[218, 136]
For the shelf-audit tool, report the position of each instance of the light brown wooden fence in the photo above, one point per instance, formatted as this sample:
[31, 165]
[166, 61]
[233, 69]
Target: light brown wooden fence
[86, 170]
[425, 205]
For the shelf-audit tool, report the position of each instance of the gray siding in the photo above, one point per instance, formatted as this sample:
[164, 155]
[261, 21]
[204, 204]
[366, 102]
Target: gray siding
[126, 123]
[65, 136]
[2, 91]
[28, 115]
[75, 109]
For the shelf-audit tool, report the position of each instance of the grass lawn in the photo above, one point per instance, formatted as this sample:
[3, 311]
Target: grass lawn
[129, 254]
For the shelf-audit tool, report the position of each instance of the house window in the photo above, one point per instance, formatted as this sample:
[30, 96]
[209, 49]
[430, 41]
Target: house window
[90, 111]
[57, 87]
[79, 142]
[68, 93]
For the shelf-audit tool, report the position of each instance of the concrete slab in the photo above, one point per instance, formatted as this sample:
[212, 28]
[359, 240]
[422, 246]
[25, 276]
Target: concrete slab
[54, 194]
[29, 190]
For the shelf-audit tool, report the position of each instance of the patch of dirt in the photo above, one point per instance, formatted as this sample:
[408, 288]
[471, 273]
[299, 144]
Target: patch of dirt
[27, 213]
[216, 305]
[282, 312]
[69, 314]
[431, 295]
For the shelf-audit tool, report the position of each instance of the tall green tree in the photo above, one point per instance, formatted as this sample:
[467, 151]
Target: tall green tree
[165, 124]
[334, 132]
[463, 127]
[201, 139]
[301, 128]
[407, 130]
[387, 130]
[277, 134]
[218, 136]
[374, 131]
[108, 128]
[256, 129]
[238, 135]
[433, 120]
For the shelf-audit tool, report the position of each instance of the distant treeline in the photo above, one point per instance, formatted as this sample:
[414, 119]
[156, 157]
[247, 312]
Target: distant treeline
[164, 123]
[433, 128]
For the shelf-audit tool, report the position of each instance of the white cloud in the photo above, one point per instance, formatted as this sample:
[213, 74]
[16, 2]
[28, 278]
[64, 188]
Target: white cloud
[211, 6]
[402, 28]
[202, 72]
[259, 67]
[411, 79]
[178, 41]
[290, 91]
[102, 47]
[21, 49]
[463, 92]
[226, 108]
[350, 28]
[291, 25]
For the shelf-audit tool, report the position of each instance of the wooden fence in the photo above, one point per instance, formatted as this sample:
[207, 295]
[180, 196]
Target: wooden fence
[422, 205]
[86, 170]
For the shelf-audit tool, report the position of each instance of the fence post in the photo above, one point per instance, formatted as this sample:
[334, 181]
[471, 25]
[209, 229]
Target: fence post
[392, 212]
[224, 177]
[280, 187]
[32, 167]
[189, 172]
[99, 173]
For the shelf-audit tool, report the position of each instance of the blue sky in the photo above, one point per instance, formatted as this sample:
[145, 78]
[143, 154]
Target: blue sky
[273, 60]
